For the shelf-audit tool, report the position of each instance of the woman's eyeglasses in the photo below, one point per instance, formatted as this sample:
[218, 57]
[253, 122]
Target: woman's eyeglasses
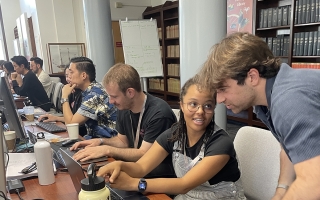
[194, 107]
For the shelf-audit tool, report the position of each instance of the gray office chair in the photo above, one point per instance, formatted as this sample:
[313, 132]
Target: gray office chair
[55, 79]
[56, 97]
[258, 154]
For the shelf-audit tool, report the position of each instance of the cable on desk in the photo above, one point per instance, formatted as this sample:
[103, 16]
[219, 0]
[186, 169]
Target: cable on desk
[3, 196]
[18, 193]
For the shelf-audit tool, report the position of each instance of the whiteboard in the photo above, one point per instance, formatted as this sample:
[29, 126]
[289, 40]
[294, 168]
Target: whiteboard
[141, 46]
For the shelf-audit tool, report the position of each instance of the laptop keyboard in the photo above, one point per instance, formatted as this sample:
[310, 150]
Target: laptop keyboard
[50, 127]
[113, 194]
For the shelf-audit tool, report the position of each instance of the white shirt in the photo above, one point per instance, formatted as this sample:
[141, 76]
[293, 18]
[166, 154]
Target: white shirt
[45, 80]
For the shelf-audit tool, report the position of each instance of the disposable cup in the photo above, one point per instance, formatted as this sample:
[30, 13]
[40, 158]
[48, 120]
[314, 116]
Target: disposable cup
[10, 137]
[73, 130]
[29, 112]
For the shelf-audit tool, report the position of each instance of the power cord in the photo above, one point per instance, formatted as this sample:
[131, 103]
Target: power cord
[3, 196]
[18, 193]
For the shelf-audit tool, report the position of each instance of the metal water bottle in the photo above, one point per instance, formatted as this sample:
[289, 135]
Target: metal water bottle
[43, 153]
[93, 187]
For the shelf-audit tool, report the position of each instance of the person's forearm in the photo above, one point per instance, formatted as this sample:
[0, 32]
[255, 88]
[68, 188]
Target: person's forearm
[162, 185]
[125, 154]
[60, 119]
[67, 113]
[114, 142]
[302, 189]
[287, 174]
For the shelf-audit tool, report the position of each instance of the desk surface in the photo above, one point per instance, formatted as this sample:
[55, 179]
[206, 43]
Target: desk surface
[62, 189]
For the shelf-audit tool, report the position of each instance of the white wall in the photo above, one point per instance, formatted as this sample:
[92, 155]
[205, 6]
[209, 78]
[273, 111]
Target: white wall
[132, 9]
[10, 12]
[79, 21]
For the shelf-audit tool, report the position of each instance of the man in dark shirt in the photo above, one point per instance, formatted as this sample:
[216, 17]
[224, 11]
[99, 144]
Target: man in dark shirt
[29, 86]
[141, 118]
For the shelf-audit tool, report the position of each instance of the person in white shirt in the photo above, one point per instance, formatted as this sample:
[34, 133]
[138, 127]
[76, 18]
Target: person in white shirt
[36, 67]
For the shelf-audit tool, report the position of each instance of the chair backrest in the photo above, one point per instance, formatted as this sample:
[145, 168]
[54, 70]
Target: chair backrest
[55, 79]
[177, 113]
[258, 154]
[57, 96]
[53, 85]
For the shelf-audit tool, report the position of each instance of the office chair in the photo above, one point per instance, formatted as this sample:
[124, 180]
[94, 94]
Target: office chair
[177, 113]
[258, 154]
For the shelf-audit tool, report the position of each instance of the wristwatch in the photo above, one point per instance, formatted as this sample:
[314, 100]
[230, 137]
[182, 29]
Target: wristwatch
[63, 100]
[142, 186]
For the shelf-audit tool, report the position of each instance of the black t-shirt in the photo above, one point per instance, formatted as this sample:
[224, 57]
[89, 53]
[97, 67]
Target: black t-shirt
[33, 89]
[157, 118]
[219, 143]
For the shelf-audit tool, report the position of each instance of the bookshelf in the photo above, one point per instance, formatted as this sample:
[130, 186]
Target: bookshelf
[168, 86]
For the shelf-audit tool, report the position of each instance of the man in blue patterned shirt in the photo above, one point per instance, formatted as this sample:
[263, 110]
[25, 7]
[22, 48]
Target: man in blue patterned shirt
[95, 111]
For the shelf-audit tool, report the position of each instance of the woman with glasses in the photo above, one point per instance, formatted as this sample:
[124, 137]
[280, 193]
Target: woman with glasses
[202, 154]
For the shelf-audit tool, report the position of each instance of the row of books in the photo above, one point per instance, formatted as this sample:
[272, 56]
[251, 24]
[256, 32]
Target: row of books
[306, 44]
[160, 33]
[306, 65]
[172, 31]
[272, 17]
[156, 84]
[307, 11]
[174, 69]
[279, 45]
[173, 85]
[173, 51]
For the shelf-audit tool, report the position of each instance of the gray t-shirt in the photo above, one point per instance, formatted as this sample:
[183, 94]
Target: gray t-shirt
[294, 110]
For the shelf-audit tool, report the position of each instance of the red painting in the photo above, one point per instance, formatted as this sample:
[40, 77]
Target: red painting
[239, 16]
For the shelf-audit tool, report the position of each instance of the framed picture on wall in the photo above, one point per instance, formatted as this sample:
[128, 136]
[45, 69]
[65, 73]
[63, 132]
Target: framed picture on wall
[60, 54]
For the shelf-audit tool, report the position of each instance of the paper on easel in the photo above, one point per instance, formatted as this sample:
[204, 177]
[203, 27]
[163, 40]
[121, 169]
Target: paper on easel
[18, 161]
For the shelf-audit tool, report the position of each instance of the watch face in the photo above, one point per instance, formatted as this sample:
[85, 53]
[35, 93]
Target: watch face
[142, 186]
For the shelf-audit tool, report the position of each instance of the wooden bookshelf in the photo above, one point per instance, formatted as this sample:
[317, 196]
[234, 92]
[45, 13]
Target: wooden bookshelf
[167, 15]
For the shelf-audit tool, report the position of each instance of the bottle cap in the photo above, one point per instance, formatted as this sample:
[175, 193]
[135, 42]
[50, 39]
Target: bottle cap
[93, 182]
[40, 135]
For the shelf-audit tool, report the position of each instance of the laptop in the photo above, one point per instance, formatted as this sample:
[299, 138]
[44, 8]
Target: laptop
[76, 173]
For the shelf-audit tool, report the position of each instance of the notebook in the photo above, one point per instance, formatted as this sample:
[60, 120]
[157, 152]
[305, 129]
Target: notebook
[76, 173]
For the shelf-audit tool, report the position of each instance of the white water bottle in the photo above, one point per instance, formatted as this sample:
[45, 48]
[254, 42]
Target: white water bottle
[43, 153]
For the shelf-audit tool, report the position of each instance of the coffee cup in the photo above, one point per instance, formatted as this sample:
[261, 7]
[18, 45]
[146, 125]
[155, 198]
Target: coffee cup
[10, 137]
[29, 113]
[73, 130]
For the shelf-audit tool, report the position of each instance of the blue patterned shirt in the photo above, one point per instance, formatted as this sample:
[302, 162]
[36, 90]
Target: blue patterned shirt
[102, 115]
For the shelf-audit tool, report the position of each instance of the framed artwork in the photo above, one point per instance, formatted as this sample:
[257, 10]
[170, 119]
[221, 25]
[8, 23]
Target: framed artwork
[239, 16]
[60, 54]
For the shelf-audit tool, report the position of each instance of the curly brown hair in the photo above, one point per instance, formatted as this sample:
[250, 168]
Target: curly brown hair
[234, 56]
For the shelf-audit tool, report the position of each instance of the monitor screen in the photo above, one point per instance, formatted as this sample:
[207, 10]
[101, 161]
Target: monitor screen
[2, 161]
[10, 110]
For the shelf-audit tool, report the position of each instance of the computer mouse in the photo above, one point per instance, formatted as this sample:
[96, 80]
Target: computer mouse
[44, 118]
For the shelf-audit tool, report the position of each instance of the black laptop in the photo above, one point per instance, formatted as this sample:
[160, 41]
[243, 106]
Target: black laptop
[76, 173]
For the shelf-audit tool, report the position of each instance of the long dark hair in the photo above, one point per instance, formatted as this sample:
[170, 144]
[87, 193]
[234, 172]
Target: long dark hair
[179, 129]
[9, 67]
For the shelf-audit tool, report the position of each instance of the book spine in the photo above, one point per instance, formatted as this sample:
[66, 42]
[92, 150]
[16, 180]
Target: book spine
[296, 13]
[308, 11]
[285, 16]
[265, 18]
[313, 11]
[315, 43]
[270, 17]
[299, 11]
[306, 44]
[310, 45]
[261, 18]
[294, 50]
[303, 11]
[274, 17]
[280, 16]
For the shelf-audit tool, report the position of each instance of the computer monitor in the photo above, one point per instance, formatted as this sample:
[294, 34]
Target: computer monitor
[2, 161]
[10, 109]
